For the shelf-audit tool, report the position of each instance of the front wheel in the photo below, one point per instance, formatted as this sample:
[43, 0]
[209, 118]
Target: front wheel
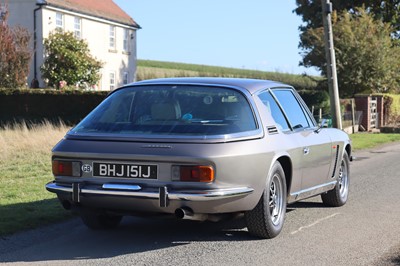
[267, 218]
[338, 196]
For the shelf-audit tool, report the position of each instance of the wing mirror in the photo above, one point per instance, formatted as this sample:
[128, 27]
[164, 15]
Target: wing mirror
[321, 126]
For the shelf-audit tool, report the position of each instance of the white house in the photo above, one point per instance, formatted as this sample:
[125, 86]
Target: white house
[109, 31]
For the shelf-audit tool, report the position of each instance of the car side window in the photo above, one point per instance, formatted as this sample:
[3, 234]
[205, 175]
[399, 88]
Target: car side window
[292, 108]
[274, 109]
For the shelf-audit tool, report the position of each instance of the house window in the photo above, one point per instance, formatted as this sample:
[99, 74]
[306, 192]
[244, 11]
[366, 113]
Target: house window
[112, 37]
[59, 21]
[126, 40]
[3, 13]
[77, 28]
[112, 80]
[125, 78]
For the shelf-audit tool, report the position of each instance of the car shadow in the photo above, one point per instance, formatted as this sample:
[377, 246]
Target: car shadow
[71, 240]
[29, 215]
[305, 205]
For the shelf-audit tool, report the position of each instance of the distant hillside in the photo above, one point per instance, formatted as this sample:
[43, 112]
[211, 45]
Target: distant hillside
[149, 69]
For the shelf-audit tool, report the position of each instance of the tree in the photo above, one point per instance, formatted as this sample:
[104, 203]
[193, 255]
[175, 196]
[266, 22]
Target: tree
[68, 61]
[311, 12]
[388, 11]
[15, 54]
[366, 58]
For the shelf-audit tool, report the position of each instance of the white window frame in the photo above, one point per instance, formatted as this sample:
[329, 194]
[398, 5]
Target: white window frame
[126, 42]
[59, 20]
[112, 33]
[112, 80]
[78, 27]
[125, 78]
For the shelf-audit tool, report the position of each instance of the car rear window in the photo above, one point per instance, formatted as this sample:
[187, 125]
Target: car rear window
[171, 110]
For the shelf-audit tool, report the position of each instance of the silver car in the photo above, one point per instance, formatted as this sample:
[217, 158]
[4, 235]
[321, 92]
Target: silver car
[200, 149]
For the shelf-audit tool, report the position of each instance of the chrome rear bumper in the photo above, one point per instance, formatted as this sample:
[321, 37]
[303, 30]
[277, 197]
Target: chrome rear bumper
[135, 191]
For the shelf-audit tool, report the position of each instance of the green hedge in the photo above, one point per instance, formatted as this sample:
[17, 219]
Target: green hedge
[392, 102]
[71, 106]
[34, 105]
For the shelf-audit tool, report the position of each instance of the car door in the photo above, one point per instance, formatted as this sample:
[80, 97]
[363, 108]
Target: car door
[315, 145]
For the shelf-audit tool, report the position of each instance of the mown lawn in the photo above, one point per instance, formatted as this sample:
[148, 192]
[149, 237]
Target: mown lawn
[25, 168]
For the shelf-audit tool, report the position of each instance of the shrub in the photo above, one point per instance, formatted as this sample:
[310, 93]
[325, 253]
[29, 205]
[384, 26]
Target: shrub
[392, 105]
[15, 55]
[68, 61]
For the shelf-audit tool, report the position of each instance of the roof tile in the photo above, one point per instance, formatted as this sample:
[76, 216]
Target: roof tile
[105, 9]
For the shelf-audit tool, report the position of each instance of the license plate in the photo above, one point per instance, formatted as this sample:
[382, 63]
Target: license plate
[123, 170]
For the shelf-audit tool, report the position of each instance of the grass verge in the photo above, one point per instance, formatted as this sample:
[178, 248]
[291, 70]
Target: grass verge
[25, 168]
[371, 140]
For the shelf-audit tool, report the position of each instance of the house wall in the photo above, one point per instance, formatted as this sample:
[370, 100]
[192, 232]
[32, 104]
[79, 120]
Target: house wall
[94, 30]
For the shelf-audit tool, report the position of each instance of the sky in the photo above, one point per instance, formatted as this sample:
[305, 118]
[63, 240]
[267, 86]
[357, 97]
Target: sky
[255, 34]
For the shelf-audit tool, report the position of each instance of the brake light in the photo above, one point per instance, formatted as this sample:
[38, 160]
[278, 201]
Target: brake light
[66, 168]
[194, 173]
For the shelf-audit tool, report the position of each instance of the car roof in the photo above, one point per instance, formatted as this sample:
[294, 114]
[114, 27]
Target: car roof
[251, 85]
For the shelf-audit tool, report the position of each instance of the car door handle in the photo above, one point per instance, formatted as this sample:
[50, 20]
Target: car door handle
[306, 150]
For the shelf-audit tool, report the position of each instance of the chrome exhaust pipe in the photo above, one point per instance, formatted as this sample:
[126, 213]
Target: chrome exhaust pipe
[188, 214]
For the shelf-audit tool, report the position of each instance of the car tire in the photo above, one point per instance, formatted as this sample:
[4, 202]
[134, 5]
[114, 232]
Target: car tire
[99, 220]
[267, 218]
[338, 196]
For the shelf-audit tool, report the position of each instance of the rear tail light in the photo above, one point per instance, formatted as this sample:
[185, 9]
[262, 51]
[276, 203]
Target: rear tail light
[66, 168]
[197, 173]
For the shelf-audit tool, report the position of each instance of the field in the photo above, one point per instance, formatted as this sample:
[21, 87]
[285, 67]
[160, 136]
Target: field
[25, 168]
[149, 69]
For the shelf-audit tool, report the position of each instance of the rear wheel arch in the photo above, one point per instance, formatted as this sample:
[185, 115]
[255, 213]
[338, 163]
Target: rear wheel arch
[286, 164]
[266, 219]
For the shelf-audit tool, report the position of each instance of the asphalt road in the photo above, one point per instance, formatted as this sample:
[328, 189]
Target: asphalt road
[366, 231]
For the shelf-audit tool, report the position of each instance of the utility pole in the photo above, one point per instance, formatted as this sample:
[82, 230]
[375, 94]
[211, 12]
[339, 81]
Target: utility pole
[331, 64]
[39, 4]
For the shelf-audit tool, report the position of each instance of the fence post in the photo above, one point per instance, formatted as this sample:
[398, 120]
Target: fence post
[353, 117]
[320, 114]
